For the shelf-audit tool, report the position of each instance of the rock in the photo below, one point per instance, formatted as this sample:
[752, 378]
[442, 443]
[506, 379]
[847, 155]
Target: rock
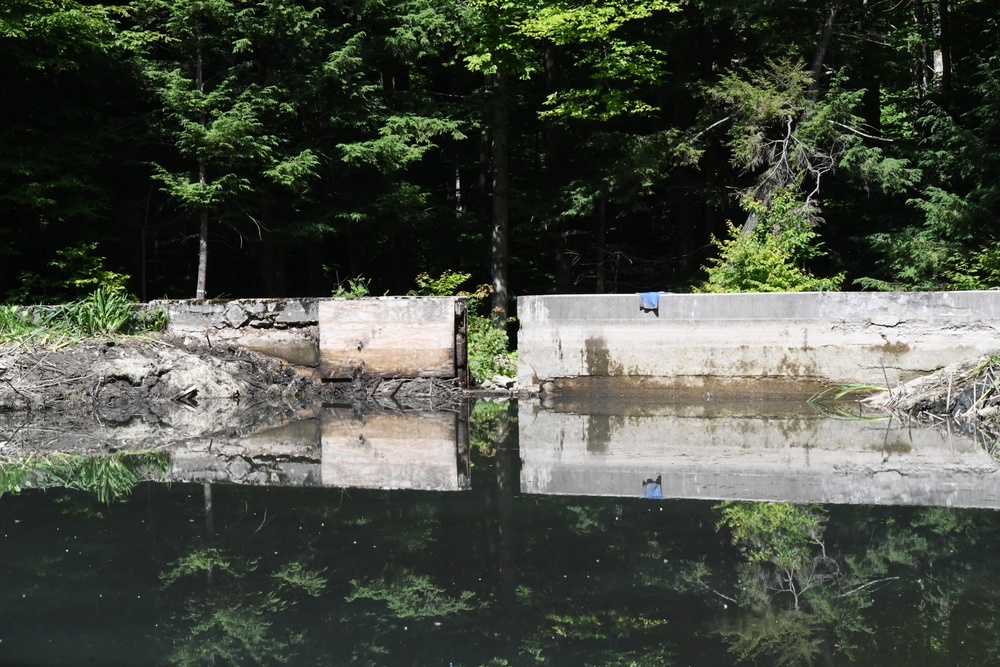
[503, 382]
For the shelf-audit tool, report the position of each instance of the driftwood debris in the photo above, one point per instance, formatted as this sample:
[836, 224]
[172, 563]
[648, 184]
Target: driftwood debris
[965, 394]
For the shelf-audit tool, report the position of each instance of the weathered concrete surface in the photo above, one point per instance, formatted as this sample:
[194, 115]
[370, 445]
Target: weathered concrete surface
[398, 450]
[388, 337]
[800, 458]
[336, 447]
[282, 328]
[392, 336]
[848, 337]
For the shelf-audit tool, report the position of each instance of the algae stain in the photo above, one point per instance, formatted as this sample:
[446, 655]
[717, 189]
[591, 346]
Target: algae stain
[597, 358]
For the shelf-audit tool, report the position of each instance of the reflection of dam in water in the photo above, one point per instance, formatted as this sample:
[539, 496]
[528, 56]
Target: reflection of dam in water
[737, 454]
[724, 451]
[340, 448]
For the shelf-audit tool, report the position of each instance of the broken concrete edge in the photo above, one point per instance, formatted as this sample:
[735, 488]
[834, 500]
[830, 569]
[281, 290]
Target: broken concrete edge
[199, 314]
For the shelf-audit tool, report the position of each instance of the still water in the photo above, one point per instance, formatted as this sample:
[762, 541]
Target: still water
[524, 539]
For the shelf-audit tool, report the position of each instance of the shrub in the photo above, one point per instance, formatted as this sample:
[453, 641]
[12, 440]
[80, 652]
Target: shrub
[770, 257]
[489, 347]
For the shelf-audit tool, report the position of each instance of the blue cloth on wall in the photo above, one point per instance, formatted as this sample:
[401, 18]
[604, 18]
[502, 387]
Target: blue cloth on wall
[649, 300]
[652, 489]
[652, 492]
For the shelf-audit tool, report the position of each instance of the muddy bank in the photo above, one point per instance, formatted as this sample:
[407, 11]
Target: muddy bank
[131, 393]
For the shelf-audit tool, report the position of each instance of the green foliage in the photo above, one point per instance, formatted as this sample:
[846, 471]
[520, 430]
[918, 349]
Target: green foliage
[489, 347]
[108, 477]
[446, 284]
[355, 288]
[769, 258]
[402, 140]
[198, 561]
[297, 575]
[599, 626]
[104, 312]
[412, 596]
[85, 271]
[233, 622]
[616, 62]
[785, 638]
[489, 353]
[763, 104]
[81, 272]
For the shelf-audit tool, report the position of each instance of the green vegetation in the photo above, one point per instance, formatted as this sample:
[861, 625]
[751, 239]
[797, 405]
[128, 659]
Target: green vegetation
[488, 345]
[539, 146]
[109, 477]
[412, 596]
[105, 311]
[232, 620]
[490, 423]
[770, 256]
[353, 288]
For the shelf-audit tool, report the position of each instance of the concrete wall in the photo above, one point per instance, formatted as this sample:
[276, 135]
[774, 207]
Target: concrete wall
[387, 336]
[569, 341]
[283, 328]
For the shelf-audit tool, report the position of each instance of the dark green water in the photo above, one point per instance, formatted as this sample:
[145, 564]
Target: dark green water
[314, 576]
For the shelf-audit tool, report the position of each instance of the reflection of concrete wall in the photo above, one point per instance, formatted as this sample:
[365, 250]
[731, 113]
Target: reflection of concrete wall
[397, 450]
[286, 455]
[337, 447]
[806, 458]
[838, 337]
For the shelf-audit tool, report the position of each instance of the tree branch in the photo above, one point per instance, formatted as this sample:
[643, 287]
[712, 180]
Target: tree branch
[867, 585]
[858, 132]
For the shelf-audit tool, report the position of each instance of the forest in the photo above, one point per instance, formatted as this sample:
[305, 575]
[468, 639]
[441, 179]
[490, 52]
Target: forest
[231, 148]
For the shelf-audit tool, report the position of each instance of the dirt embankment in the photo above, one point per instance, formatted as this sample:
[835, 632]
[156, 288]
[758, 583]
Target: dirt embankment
[127, 393]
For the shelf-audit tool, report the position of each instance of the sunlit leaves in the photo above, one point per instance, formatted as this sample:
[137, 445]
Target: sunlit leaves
[614, 62]
[771, 256]
[403, 139]
[52, 34]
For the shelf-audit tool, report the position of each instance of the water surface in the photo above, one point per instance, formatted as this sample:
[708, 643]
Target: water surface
[469, 560]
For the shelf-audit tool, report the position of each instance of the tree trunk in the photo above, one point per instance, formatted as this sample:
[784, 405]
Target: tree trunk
[821, 48]
[202, 248]
[501, 205]
[199, 292]
[944, 43]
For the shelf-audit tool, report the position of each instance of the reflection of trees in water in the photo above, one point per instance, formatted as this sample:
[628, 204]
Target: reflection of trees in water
[801, 598]
[412, 596]
[110, 477]
[229, 619]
